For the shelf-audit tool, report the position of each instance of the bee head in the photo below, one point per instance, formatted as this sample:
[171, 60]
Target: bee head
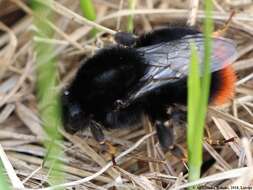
[74, 119]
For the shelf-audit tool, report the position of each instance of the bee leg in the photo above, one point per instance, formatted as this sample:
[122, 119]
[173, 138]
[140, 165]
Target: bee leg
[99, 136]
[179, 152]
[177, 116]
[165, 134]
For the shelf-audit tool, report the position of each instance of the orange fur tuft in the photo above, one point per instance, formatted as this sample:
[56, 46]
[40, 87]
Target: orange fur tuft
[227, 86]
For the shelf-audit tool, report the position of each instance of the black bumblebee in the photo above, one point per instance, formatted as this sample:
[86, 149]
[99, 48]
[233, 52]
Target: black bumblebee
[143, 76]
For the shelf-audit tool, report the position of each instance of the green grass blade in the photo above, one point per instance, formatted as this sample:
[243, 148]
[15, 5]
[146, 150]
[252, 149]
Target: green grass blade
[88, 12]
[47, 94]
[88, 9]
[208, 30]
[130, 21]
[198, 102]
[193, 93]
[3, 179]
[193, 133]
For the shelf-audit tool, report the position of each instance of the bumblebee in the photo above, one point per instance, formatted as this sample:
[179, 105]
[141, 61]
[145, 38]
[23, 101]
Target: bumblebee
[143, 75]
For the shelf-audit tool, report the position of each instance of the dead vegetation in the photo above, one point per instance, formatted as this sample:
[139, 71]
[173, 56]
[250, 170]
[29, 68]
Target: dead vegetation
[141, 163]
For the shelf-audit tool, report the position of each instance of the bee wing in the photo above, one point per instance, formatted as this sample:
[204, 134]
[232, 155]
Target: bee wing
[169, 62]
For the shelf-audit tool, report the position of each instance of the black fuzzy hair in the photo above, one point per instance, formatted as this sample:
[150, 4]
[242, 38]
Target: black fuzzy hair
[177, 93]
[164, 35]
[107, 75]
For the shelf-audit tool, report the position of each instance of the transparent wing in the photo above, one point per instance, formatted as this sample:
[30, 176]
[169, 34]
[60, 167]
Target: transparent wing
[169, 61]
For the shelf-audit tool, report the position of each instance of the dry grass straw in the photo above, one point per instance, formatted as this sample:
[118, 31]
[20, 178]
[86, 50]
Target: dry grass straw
[141, 163]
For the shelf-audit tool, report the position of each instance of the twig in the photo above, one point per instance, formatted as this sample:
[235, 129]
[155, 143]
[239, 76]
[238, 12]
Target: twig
[85, 148]
[32, 174]
[106, 167]
[247, 149]
[216, 177]
[119, 18]
[49, 23]
[174, 13]
[141, 180]
[20, 82]
[57, 7]
[246, 179]
[15, 181]
[9, 50]
[193, 14]
[228, 117]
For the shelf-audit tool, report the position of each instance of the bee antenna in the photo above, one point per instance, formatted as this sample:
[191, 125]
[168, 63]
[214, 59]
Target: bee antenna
[125, 39]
